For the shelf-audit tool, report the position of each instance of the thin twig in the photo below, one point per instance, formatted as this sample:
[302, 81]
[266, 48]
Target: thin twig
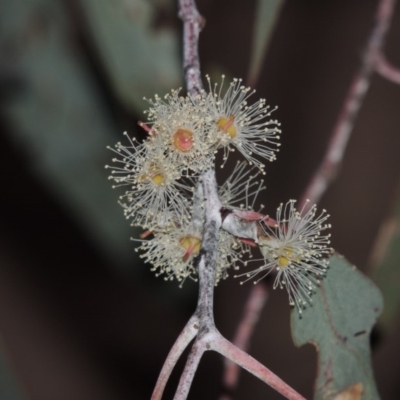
[192, 25]
[188, 333]
[352, 104]
[387, 70]
[230, 351]
[190, 369]
[251, 314]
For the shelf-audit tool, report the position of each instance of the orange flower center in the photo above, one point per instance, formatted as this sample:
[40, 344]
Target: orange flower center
[183, 140]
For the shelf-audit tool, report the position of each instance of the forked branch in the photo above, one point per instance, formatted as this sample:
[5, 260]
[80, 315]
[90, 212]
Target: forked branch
[189, 332]
[387, 70]
[202, 323]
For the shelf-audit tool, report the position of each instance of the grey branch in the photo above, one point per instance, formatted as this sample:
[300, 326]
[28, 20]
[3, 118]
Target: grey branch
[192, 25]
[351, 106]
[387, 70]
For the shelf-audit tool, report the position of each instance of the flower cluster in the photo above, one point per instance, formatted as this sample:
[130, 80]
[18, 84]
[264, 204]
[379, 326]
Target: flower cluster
[238, 125]
[161, 175]
[295, 247]
[184, 134]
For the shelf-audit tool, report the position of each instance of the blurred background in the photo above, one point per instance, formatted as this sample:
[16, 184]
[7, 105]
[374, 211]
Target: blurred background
[80, 316]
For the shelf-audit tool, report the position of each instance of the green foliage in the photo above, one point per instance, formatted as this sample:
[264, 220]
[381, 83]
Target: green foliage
[9, 388]
[59, 118]
[267, 13]
[141, 57]
[345, 308]
[386, 272]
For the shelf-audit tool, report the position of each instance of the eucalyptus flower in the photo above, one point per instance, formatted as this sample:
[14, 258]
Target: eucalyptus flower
[178, 126]
[156, 188]
[295, 247]
[237, 125]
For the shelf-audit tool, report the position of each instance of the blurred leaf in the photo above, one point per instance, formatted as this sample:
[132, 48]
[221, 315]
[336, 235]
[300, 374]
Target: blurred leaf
[59, 119]
[141, 57]
[267, 13]
[9, 389]
[385, 261]
[345, 308]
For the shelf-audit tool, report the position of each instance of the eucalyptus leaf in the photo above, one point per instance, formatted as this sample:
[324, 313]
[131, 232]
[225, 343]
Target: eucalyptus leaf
[386, 266]
[9, 388]
[345, 308]
[60, 120]
[141, 57]
[267, 12]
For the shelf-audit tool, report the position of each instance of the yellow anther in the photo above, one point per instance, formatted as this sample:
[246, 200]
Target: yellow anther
[283, 261]
[154, 174]
[191, 244]
[287, 256]
[226, 125]
[158, 179]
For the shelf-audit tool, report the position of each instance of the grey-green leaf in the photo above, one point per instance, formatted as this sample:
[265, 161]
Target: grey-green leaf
[9, 387]
[59, 118]
[267, 12]
[385, 266]
[142, 59]
[345, 308]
